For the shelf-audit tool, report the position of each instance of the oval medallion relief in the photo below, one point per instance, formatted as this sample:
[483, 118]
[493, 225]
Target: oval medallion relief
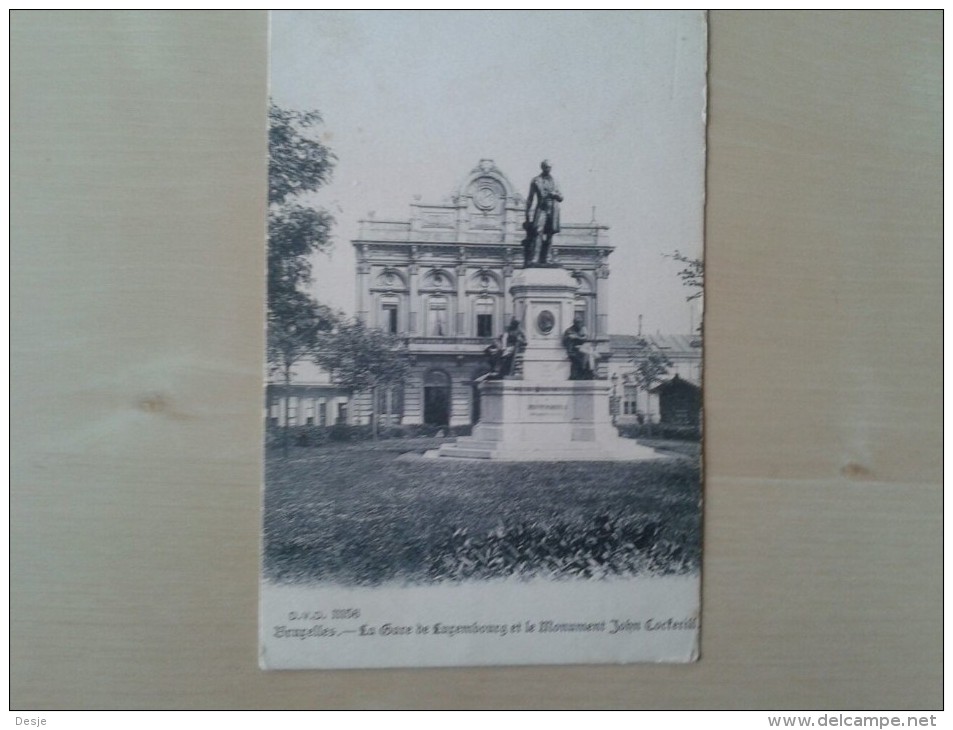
[545, 322]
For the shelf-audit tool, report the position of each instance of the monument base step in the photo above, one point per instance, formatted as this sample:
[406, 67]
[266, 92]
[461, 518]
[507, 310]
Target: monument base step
[618, 449]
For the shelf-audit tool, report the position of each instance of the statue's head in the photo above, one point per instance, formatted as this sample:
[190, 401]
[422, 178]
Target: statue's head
[545, 166]
[514, 324]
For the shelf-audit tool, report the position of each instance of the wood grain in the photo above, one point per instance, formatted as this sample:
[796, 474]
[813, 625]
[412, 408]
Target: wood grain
[138, 170]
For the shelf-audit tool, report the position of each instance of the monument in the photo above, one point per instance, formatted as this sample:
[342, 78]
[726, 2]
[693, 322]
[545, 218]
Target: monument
[552, 407]
[542, 217]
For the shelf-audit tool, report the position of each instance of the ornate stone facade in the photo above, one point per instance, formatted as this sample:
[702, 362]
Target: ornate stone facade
[442, 280]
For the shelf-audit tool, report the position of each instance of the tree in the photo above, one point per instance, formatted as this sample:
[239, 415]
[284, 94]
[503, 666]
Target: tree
[298, 165]
[651, 367]
[292, 336]
[293, 331]
[361, 359]
[693, 275]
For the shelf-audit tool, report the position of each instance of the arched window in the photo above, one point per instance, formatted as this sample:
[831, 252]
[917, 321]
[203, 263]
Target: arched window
[437, 398]
[437, 378]
[583, 305]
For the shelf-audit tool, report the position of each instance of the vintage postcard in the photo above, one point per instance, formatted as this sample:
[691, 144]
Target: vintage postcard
[485, 279]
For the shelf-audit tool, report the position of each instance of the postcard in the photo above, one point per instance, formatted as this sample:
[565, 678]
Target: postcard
[483, 411]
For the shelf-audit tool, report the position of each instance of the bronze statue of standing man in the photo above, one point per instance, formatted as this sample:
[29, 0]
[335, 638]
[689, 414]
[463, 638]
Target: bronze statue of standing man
[542, 217]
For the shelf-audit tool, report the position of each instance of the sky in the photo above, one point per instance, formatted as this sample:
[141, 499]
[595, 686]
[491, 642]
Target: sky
[413, 100]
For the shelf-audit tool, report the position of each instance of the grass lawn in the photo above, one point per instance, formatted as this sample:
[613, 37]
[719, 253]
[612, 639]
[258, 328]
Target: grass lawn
[359, 515]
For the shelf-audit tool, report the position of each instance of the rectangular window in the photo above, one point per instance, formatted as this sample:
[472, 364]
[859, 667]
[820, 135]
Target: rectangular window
[484, 325]
[390, 318]
[342, 413]
[438, 319]
[581, 310]
[484, 317]
[322, 414]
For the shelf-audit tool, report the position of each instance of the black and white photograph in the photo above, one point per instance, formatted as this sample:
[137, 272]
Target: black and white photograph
[483, 380]
[517, 360]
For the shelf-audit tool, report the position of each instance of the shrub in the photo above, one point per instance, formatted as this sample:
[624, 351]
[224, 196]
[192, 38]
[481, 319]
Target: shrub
[339, 432]
[601, 546]
[358, 516]
[678, 432]
[296, 435]
[309, 436]
[346, 432]
[422, 430]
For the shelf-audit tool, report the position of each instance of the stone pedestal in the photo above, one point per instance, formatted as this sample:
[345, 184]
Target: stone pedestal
[543, 415]
[543, 302]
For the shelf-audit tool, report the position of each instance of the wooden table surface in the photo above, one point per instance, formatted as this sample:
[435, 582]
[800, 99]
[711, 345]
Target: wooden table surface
[138, 173]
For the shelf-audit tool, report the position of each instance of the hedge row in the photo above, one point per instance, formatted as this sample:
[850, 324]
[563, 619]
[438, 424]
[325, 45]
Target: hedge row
[660, 431]
[341, 432]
